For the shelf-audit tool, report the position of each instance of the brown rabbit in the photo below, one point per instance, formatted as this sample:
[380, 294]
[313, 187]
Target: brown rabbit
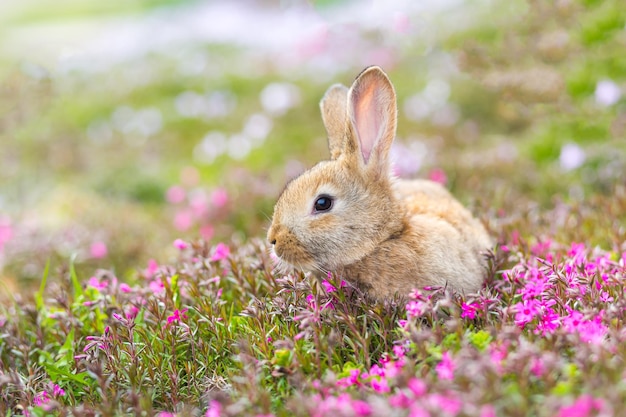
[349, 215]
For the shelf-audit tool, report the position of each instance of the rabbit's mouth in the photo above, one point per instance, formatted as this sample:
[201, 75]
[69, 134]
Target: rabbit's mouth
[293, 257]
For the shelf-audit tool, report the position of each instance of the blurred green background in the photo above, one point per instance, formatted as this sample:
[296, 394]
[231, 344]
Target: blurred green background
[127, 124]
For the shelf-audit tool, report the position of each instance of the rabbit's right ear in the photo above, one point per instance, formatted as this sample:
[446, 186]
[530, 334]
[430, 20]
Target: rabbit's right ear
[335, 117]
[372, 113]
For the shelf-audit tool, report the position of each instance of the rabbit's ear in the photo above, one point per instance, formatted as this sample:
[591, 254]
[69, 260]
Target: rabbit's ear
[335, 116]
[372, 113]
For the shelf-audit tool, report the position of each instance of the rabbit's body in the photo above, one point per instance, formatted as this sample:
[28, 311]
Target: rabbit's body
[439, 244]
[348, 215]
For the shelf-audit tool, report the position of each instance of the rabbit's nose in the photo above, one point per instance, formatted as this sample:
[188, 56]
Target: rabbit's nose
[271, 235]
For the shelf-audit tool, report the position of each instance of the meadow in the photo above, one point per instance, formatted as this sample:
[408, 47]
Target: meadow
[139, 166]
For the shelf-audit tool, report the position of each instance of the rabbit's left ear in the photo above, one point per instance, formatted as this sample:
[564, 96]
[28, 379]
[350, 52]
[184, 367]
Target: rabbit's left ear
[372, 114]
[335, 116]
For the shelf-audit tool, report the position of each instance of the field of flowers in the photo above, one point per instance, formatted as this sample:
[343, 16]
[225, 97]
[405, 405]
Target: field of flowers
[139, 167]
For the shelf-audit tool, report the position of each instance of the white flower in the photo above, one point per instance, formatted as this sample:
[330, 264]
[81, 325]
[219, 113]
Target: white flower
[607, 93]
[572, 156]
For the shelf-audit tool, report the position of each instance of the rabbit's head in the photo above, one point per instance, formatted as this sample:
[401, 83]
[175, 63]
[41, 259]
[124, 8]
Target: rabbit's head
[340, 210]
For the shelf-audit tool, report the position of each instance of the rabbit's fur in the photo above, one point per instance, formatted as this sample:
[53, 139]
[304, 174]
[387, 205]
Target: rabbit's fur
[383, 234]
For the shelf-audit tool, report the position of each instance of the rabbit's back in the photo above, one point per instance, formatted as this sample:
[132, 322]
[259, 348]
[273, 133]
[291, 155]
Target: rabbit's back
[442, 244]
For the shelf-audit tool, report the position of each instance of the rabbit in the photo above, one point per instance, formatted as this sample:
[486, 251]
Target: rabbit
[350, 216]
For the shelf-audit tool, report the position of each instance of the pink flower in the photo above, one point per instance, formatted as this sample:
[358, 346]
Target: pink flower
[175, 194]
[361, 408]
[380, 385]
[41, 399]
[415, 308]
[207, 232]
[183, 220]
[445, 368]
[417, 387]
[180, 244]
[177, 316]
[438, 175]
[124, 287]
[328, 287]
[214, 410]
[219, 197]
[6, 231]
[448, 404]
[418, 411]
[132, 312]
[221, 251]
[152, 268]
[97, 284]
[166, 414]
[525, 312]
[487, 411]
[584, 406]
[98, 250]
[469, 310]
[399, 400]
[537, 367]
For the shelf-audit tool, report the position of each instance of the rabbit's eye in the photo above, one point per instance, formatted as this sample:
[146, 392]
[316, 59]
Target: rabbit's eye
[323, 203]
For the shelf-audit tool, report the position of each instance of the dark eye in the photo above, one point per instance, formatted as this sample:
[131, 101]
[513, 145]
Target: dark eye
[323, 203]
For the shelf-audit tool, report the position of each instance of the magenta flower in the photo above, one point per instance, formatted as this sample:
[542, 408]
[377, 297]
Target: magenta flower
[361, 408]
[152, 268]
[180, 244]
[221, 251]
[124, 287]
[584, 406]
[417, 387]
[415, 308]
[468, 311]
[328, 287]
[525, 312]
[97, 284]
[98, 250]
[214, 410]
[380, 385]
[445, 368]
[177, 316]
[438, 175]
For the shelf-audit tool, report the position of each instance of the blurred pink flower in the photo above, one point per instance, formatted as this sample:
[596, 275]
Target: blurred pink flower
[417, 386]
[207, 232]
[183, 220]
[124, 287]
[132, 312]
[175, 194]
[361, 408]
[152, 268]
[97, 284]
[219, 197]
[380, 385]
[180, 244]
[214, 410]
[445, 368]
[418, 411]
[415, 308]
[98, 250]
[584, 406]
[220, 252]
[6, 231]
[438, 175]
